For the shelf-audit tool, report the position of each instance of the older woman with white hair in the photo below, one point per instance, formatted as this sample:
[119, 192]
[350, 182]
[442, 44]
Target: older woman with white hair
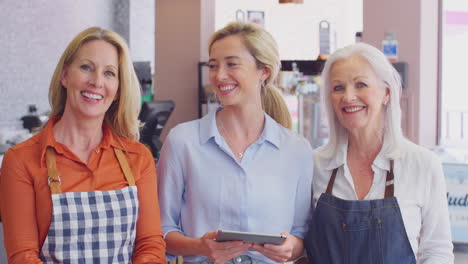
[378, 197]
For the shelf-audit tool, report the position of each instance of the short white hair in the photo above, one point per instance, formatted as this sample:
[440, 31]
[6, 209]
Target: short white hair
[393, 136]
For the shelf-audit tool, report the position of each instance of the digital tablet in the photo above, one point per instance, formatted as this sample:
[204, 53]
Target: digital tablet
[224, 235]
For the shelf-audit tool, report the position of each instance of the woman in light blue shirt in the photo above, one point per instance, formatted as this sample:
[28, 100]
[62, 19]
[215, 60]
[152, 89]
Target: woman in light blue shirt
[240, 168]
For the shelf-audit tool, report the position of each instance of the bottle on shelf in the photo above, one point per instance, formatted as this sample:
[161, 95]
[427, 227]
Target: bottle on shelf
[390, 46]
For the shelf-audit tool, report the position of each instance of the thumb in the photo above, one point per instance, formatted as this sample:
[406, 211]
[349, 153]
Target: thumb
[210, 235]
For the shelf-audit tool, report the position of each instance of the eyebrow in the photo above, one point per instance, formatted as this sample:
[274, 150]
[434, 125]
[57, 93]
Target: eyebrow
[361, 76]
[112, 67]
[226, 58]
[115, 67]
[354, 79]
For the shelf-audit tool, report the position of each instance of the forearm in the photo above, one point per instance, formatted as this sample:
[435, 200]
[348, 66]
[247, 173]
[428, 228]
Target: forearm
[180, 245]
[18, 209]
[149, 245]
[149, 250]
[435, 242]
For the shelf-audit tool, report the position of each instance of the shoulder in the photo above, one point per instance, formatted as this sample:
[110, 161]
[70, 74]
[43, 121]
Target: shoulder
[24, 156]
[27, 149]
[184, 133]
[185, 129]
[418, 155]
[292, 139]
[296, 147]
[418, 166]
[134, 147]
[32, 142]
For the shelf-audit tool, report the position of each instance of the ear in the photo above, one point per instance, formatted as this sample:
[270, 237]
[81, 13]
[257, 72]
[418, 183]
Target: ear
[63, 77]
[387, 96]
[266, 72]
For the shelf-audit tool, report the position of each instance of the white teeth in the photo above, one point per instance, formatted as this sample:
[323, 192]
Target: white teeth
[353, 109]
[227, 88]
[92, 96]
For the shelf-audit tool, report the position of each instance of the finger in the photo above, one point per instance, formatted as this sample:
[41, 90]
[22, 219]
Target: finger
[278, 253]
[274, 256]
[232, 250]
[210, 235]
[274, 247]
[270, 256]
[219, 250]
[225, 255]
[228, 245]
[236, 253]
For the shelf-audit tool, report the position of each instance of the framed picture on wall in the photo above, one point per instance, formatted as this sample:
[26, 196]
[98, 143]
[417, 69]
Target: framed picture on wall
[257, 17]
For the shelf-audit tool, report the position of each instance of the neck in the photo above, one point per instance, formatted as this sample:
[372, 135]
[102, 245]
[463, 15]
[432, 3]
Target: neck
[79, 134]
[242, 122]
[365, 145]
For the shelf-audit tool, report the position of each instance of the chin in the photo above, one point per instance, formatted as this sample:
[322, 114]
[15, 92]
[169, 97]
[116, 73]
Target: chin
[227, 102]
[92, 115]
[353, 126]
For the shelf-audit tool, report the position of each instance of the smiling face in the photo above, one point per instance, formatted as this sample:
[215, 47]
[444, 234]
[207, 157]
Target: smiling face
[357, 95]
[234, 72]
[91, 80]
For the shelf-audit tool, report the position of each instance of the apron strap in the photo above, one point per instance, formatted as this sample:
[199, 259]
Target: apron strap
[125, 168]
[389, 183]
[54, 175]
[331, 181]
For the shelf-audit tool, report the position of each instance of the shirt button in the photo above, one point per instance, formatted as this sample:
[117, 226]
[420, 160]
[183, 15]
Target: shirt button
[238, 259]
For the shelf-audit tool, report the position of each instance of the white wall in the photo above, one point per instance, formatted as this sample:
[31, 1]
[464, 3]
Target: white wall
[295, 26]
[142, 30]
[34, 33]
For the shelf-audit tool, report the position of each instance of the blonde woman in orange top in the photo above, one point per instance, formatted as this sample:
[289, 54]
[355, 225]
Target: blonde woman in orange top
[83, 189]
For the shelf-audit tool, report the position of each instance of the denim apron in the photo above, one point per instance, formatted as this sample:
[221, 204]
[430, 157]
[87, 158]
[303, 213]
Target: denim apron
[91, 227]
[358, 232]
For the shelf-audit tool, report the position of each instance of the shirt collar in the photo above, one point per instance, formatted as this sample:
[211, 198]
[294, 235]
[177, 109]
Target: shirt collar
[341, 156]
[208, 130]
[48, 139]
[208, 127]
[271, 132]
[381, 161]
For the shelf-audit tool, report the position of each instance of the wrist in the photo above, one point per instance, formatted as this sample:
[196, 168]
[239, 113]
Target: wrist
[298, 248]
[200, 246]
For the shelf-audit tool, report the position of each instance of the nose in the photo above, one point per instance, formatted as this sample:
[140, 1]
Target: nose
[220, 73]
[349, 94]
[97, 80]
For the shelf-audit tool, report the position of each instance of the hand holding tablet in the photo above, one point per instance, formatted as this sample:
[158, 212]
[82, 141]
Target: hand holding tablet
[224, 235]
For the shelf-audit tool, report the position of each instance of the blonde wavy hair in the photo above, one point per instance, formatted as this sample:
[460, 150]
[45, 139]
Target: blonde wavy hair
[264, 49]
[122, 115]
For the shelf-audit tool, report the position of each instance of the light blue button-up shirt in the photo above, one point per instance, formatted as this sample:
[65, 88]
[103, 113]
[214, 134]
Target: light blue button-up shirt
[203, 187]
